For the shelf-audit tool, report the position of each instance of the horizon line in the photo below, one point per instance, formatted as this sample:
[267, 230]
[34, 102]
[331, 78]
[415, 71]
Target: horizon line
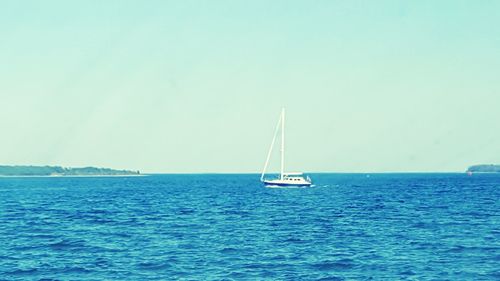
[321, 172]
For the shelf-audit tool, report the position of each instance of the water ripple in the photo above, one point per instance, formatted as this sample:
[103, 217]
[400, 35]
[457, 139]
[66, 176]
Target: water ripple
[228, 227]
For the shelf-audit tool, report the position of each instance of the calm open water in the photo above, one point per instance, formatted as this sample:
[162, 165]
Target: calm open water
[228, 227]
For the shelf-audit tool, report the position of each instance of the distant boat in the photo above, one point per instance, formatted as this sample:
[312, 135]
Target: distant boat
[285, 179]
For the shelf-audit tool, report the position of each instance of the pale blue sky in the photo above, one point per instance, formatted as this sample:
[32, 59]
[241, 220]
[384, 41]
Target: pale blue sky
[197, 86]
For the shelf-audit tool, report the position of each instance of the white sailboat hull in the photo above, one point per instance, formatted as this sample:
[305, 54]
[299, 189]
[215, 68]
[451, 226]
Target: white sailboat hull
[288, 182]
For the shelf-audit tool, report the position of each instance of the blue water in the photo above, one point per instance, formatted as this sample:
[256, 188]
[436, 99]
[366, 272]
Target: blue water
[228, 227]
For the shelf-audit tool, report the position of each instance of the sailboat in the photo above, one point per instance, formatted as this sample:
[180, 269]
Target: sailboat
[285, 179]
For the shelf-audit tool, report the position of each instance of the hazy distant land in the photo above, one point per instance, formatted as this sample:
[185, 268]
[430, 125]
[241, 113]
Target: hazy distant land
[62, 171]
[484, 168]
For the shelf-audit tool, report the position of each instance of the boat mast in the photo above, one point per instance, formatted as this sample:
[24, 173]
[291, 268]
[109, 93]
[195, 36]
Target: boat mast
[282, 142]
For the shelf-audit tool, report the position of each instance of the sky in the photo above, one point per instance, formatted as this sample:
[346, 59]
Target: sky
[197, 86]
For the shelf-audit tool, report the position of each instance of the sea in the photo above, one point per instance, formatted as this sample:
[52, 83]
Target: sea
[229, 227]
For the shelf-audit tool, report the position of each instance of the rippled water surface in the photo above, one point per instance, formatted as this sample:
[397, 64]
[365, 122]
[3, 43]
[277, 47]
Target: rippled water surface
[228, 227]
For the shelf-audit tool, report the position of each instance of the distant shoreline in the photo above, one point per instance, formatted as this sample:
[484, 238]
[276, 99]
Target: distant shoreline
[72, 176]
[58, 171]
[484, 168]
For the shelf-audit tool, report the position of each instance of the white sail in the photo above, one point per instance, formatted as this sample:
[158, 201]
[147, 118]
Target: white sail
[271, 148]
[282, 143]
